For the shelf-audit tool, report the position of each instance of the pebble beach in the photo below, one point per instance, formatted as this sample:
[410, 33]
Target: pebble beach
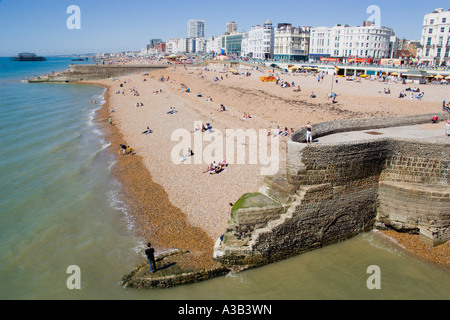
[176, 204]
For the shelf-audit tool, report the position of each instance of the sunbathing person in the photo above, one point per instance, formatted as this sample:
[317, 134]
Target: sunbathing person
[246, 116]
[148, 131]
[172, 110]
[198, 128]
[285, 133]
[206, 127]
[277, 131]
[225, 164]
[217, 169]
[435, 119]
[211, 168]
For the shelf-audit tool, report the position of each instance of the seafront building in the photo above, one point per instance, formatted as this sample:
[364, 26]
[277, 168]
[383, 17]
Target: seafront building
[435, 41]
[291, 43]
[214, 45]
[196, 29]
[341, 43]
[258, 42]
[232, 44]
[367, 41]
[232, 27]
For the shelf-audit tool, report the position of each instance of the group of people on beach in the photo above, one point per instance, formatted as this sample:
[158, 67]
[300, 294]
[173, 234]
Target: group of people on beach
[126, 149]
[279, 132]
[214, 168]
[419, 96]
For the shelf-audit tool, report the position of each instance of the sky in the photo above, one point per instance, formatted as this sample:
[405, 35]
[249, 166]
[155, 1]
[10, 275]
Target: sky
[40, 26]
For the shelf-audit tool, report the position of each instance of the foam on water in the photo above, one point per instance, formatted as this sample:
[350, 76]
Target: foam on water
[118, 204]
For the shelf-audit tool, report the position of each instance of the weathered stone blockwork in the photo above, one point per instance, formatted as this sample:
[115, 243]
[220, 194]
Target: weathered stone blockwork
[332, 192]
[412, 207]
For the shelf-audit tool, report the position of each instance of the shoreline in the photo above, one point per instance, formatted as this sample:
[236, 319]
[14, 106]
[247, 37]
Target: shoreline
[412, 245]
[166, 228]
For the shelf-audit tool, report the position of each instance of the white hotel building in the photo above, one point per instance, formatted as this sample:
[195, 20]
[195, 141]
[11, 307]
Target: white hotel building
[344, 41]
[258, 42]
[291, 43]
[435, 39]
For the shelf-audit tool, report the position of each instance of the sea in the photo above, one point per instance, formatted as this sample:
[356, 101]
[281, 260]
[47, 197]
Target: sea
[65, 233]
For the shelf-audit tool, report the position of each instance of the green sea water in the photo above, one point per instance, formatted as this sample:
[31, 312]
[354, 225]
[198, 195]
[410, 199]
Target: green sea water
[60, 207]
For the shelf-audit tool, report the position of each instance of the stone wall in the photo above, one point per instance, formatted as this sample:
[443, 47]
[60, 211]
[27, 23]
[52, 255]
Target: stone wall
[96, 72]
[415, 208]
[418, 162]
[332, 192]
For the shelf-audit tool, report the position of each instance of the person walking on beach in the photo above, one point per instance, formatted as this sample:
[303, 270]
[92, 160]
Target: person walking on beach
[150, 253]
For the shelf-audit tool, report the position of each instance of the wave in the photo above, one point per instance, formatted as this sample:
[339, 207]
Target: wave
[119, 205]
[388, 244]
[111, 165]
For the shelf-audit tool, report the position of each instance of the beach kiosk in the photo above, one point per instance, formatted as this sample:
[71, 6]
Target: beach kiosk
[416, 76]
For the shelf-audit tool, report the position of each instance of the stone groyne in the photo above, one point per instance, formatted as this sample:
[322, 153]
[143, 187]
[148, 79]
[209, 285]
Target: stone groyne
[330, 192]
[96, 72]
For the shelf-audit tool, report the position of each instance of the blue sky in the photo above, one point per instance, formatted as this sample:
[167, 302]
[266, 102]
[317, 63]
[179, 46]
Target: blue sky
[118, 25]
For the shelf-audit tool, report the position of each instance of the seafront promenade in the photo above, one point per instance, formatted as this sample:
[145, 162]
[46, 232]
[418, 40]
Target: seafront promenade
[424, 132]
[345, 69]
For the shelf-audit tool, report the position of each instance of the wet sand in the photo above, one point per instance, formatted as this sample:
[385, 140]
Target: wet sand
[177, 205]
